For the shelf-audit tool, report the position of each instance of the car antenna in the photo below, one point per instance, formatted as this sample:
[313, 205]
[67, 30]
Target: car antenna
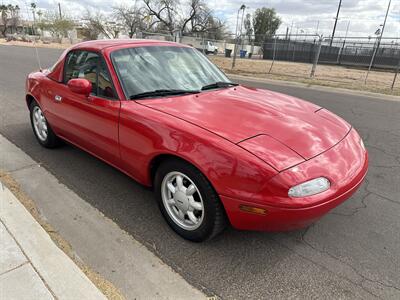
[37, 54]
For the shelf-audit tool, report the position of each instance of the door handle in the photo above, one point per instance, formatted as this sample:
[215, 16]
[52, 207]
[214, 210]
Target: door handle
[57, 98]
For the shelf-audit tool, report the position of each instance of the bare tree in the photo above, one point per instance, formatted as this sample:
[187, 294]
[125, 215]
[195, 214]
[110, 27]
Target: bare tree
[96, 24]
[164, 11]
[202, 20]
[189, 17]
[216, 29]
[196, 8]
[131, 17]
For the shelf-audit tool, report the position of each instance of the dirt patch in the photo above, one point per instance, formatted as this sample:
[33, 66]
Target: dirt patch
[106, 287]
[38, 44]
[332, 76]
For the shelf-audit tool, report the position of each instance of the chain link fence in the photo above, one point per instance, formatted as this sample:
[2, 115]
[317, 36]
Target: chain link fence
[302, 56]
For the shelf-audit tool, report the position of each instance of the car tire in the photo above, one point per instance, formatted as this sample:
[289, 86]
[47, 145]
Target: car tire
[41, 128]
[211, 218]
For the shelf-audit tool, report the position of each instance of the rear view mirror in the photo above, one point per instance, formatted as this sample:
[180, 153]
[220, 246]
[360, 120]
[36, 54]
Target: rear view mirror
[80, 86]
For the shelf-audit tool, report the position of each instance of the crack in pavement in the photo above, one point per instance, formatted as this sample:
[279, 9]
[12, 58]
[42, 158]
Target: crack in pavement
[25, 167]
[363, 277]
[323, 266]
[395, 156]
[357, 209]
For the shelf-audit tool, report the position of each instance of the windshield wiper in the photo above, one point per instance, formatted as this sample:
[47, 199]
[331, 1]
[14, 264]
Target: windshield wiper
[164, 92]
[219, 84]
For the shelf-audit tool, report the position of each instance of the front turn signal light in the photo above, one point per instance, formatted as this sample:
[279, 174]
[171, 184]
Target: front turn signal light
[253, 210]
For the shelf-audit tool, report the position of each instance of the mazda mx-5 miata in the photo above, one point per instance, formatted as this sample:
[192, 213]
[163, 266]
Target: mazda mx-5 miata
[215, 152]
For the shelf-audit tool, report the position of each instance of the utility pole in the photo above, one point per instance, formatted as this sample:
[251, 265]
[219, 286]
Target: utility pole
[378, 42]
[243, 7]
[336, 19]
[241, 27]
[316, 32]
[59, 10]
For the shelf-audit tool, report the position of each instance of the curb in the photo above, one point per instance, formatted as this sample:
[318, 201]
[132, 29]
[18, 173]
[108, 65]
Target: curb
[64, 279]
[137, 273]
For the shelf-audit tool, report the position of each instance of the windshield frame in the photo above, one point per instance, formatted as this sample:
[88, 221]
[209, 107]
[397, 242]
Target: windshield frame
[118, 74]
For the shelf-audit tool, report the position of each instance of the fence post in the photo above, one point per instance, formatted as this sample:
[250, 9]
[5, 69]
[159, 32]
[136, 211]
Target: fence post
[235, 52]
[294, 49]
[372, 59]
[395, 75]
[316, 58]
[203, 43]
[340, 53]
[273, 56]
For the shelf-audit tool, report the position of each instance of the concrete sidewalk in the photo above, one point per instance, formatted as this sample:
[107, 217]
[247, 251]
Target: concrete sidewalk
[98, 242]
[31, 265]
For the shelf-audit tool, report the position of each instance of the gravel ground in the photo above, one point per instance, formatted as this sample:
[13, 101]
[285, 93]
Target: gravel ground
[334, 76]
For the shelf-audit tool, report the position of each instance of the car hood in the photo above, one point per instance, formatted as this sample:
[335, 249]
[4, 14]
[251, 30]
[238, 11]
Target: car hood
[239, 114]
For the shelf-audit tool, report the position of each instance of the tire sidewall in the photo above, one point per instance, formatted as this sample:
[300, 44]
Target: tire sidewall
[50, 141]
[208, 196]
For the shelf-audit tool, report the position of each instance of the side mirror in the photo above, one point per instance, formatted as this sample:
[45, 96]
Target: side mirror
[80, 86]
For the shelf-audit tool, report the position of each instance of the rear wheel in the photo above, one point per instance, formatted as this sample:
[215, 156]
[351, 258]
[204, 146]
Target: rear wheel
[188, 202]
[42, 130]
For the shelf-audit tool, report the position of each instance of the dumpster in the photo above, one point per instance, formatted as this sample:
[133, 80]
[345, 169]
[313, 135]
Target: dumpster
[228, 52]
[243, 53]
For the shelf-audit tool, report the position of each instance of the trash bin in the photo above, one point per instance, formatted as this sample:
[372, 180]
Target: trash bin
[243, 53]
[228, 52]
[249, 55]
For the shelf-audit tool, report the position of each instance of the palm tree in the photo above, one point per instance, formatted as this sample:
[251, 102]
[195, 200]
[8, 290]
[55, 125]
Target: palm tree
[4, 17]
[33, 7]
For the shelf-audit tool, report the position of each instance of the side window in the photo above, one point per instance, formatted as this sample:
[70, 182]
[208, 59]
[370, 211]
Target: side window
[82, 64]
[105, 87]
[89, 65]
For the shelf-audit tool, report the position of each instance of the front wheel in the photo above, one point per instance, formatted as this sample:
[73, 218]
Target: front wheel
[42, 130]
[188, 202]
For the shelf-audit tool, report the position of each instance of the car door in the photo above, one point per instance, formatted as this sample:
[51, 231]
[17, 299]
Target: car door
[90, 122]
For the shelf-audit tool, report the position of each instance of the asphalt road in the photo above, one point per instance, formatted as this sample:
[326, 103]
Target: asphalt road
[353, 252]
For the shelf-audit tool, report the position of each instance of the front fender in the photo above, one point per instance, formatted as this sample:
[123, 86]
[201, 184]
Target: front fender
[146, 133]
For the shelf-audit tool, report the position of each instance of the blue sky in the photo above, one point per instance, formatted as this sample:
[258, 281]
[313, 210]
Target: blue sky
[365, 16]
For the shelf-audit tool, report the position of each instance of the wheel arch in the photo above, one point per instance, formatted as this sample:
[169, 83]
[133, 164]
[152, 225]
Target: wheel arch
[158, 159]
[29, 99]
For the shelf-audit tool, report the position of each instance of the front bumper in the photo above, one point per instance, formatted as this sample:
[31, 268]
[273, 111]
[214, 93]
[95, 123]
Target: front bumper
[345, 165]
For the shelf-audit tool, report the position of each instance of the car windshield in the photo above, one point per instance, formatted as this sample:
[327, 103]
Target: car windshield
[164, 68]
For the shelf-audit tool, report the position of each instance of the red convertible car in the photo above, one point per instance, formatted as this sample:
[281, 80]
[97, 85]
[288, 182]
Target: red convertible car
[215, 152]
